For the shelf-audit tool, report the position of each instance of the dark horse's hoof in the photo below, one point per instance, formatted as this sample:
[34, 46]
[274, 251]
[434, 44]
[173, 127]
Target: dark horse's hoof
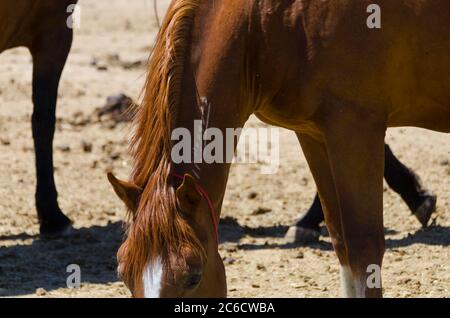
[425, 210]
[298, 234]
[59, 226]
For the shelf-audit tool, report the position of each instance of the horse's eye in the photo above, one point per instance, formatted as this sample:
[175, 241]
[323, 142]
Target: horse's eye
[193, 280]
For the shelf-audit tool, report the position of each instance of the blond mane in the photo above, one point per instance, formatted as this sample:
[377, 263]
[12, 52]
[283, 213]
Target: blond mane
[157, 226]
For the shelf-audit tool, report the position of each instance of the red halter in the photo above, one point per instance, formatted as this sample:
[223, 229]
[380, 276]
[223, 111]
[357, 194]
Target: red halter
[210, 205]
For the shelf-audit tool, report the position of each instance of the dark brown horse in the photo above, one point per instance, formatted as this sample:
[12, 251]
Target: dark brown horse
[312, 66]
[42, 26]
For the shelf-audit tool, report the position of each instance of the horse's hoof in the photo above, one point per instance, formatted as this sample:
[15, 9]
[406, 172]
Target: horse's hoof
[426, 209]
[297, 234]
[61, 228]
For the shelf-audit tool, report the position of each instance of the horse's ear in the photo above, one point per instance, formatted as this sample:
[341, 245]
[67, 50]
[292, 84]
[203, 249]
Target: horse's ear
[188, 196]
[129, 193]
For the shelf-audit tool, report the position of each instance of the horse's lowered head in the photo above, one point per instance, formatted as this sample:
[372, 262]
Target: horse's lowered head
[170, 248]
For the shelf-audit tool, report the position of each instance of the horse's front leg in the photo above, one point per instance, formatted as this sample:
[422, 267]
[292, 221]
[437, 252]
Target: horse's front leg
[49, 53]
[347, 164]
[355, 145]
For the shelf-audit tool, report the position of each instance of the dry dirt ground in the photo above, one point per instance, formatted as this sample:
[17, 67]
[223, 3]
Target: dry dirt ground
[115, 34]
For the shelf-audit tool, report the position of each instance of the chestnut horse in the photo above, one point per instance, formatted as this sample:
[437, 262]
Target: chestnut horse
[42, 27]
[311, 66]
[420, 201]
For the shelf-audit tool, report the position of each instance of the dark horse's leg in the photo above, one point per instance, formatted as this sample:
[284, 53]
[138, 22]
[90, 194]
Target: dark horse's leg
[400, 178]
[307, 228]
[407, 184]
[49, 53]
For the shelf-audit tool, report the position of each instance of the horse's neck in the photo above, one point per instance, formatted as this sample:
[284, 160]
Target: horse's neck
[201, 116]
[210, 176]
[212, 94]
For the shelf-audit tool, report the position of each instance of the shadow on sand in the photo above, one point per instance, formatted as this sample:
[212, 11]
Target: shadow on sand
[24, 268]
[232, 231]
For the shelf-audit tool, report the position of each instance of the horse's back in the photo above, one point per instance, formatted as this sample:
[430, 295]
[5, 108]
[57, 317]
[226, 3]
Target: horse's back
[400, 68]
[398, 71]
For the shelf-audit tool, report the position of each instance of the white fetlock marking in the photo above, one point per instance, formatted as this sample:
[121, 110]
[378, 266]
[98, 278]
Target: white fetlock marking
[348, 288]
[152, 279]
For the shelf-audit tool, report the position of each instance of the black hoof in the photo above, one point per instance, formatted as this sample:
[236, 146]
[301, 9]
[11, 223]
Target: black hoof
[58, 226]
[425, 210]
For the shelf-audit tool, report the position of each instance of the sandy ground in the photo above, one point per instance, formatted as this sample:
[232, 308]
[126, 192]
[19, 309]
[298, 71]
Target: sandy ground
[116, 33]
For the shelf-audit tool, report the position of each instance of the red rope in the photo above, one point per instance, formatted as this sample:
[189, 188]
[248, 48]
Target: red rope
[210, 205]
